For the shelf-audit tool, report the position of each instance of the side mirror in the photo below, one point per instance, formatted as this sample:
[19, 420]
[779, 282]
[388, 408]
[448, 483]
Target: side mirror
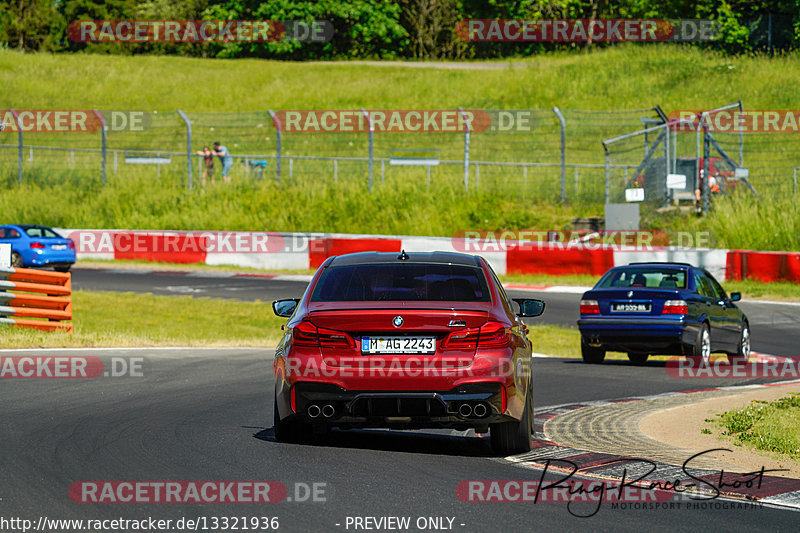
[285, 308]
[736, 296]
[529, 307]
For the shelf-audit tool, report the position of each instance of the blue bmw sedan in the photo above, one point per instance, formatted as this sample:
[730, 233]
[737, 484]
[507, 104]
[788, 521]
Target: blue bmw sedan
[661, 308]
[38, 246]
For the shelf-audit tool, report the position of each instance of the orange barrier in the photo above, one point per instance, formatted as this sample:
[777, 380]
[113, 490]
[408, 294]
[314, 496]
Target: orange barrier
[52, 303]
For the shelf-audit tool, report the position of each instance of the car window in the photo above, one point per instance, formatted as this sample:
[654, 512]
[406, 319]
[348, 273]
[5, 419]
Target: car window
[719, 292]
[401, 282]
[506, 300]
[41, 232]
[8, 233]
[645, 277]
[703, 285]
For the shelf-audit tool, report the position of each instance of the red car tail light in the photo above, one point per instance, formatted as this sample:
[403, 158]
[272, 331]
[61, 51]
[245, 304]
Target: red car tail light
[329, 338]
[494, 335]
[71, 244]
[37, 246]
[465, 339]
[675, 307]
[307, 334]
[590, 307]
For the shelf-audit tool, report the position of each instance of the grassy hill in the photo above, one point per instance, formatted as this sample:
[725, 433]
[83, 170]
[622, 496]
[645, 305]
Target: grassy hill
[67, 193]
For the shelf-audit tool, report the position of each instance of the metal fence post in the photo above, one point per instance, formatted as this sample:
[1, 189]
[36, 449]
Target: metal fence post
[741, 137]
[19, 139]
[278, 129]
[563, 125]
[371, 133]
[103, 131]
[188, 145]
[467, 130]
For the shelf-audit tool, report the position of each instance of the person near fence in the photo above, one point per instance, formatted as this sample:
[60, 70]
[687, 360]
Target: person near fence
[227, 160]
[208, 164]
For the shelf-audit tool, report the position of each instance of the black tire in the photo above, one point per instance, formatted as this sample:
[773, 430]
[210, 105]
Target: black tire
[62, 268]
[637, 358]
[743, 351]
[288, 429]
[16, 260]
[511, 438]
[701, 351]
[591, 354]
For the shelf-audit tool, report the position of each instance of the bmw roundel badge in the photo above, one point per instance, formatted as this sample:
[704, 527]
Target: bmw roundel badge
[397, 321]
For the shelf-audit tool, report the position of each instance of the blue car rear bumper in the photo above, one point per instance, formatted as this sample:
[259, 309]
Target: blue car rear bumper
[44, 258]
[645, 335]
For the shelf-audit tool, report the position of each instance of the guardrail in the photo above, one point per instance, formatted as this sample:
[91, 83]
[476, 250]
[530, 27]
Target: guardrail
[46, 309]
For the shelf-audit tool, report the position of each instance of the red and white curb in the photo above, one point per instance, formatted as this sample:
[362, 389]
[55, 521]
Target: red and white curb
[300, 251]
[773, 490]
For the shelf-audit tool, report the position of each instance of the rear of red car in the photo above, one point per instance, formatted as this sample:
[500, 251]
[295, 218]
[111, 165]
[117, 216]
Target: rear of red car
[404, 341]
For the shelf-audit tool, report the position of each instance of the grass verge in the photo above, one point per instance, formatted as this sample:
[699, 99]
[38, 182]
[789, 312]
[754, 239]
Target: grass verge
[769, 426]
[104, 319]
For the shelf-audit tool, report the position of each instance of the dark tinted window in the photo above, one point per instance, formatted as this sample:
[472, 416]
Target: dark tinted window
[41, 232]
[719, 292]
[652, 278]
[703, 285]
[401, 282]
[8, 233]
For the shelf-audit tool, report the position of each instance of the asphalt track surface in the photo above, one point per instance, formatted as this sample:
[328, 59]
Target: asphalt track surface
[206, 414]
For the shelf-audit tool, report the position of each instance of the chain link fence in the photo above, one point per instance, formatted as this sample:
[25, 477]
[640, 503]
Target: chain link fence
[551, 155]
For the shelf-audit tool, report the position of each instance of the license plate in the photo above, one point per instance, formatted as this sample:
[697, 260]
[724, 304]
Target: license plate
[399, 345]
[59, 247]
[630, 308]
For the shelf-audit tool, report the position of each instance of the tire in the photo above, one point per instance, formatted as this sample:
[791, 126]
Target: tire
[16, 260]
[592, 355]
[512, 438]
[288, 429]
[701, 351]
[62, 268]
[637, 358]
[743, 351]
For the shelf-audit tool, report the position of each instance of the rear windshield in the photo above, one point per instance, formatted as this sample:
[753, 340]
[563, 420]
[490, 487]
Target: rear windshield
[41, 232]
[654, 278]
[401, 282]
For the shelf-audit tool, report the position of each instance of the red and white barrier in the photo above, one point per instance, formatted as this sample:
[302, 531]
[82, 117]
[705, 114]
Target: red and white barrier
[297, 251]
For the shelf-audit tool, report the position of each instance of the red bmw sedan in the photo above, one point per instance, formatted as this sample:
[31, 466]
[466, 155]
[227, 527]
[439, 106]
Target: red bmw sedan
[406, 341]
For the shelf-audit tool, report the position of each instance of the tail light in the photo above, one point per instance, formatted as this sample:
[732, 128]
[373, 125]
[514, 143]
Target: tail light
[675, 307]
[494, 335]
[37, 246]
[489, 335]
[590, 307]
[307, 334]
[71, 244]
[465, 339]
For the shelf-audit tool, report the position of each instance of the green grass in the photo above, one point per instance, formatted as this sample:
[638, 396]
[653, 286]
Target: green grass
[59, 192]
[149, 320]
[769, 426]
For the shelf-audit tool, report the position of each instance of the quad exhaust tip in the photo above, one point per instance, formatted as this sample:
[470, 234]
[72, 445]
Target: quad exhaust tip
[314, 411]
[328, 410]
[465, 410]
[480, 410]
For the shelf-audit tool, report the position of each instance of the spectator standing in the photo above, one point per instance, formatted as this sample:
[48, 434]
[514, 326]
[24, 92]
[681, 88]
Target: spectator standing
[208, 164]
[227, 160]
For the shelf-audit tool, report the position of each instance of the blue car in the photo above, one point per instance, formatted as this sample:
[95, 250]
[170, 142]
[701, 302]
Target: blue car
[38, 246]
[661, 308]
